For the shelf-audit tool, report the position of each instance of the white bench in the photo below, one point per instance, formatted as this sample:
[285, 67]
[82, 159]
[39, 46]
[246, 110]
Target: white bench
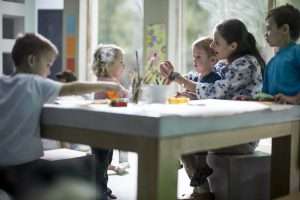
[71, 163]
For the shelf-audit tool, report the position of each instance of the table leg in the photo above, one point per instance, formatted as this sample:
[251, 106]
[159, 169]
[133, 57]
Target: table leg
[285, 163]
[157, 173]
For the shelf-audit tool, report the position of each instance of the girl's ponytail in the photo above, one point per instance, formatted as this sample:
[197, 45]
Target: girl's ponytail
[252, 48]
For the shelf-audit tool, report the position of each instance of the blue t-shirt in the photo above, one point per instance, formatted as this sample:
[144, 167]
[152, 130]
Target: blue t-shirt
[209, 78]
[22, 99]
[282, 73]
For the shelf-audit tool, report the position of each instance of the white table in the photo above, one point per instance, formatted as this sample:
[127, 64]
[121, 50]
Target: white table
[161, 133]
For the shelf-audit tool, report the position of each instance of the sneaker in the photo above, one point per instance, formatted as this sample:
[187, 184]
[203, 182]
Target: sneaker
[198, 196]
[109, 194]
[118, 169]
[203, 196]
[200, 176]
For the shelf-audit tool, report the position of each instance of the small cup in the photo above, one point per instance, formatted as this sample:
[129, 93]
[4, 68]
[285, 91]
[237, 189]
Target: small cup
[157, 93]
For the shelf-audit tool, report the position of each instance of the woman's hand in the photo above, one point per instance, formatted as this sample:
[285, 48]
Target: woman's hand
[166, 68]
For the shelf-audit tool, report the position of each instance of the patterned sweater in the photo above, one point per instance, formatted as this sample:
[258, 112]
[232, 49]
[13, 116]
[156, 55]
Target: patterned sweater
[240, 77]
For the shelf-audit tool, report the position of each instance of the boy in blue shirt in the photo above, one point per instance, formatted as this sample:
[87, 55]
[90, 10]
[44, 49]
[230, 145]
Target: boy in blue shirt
[282, 73]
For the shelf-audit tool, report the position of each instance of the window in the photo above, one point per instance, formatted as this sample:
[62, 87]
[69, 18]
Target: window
[295, 3]
[8, 65]
[121, 23]
[12, 26]
[16, 1]
[201, 16]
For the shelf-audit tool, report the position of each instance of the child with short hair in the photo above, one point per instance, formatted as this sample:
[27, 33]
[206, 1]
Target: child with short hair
[23, 95]
[282, 73]
[108, 66]
[204, 59]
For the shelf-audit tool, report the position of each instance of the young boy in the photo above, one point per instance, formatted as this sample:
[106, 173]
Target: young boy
[22, 97]
[204, 59]
[282, 73]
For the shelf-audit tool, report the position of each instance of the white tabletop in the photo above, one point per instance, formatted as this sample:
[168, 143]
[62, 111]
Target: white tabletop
[163, 120]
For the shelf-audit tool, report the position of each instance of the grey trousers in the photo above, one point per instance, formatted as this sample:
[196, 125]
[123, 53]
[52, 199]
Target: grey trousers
[196, 162]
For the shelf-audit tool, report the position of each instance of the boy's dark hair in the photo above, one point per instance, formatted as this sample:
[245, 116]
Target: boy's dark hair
[67, 76]
[289, 15]
[30, 44]
[234, 30]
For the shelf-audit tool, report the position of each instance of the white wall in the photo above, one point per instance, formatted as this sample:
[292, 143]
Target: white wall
[49, 4]
[19, 10]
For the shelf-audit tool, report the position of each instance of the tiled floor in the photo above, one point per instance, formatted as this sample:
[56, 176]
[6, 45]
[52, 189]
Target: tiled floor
[125, 186]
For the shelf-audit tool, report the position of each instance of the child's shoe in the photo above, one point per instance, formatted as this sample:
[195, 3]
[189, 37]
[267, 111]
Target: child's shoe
[199, 193]
[110, 195]
[200, 176]
[198, 196]
[119, 169]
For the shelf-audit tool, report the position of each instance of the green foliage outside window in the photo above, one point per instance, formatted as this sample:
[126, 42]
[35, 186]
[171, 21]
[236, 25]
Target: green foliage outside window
[121, 22]
[201, 16]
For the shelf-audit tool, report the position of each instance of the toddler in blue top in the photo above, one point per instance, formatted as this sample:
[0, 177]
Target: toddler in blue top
[282, 73]
[204, 59]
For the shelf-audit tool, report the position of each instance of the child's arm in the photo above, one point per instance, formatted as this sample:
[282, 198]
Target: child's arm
[284, 99]
[167, 70]
[78, 88]
[188, 84]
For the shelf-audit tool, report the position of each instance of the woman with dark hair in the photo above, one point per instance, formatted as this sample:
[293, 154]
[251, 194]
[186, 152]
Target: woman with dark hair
[235, 32]
[241, 75]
